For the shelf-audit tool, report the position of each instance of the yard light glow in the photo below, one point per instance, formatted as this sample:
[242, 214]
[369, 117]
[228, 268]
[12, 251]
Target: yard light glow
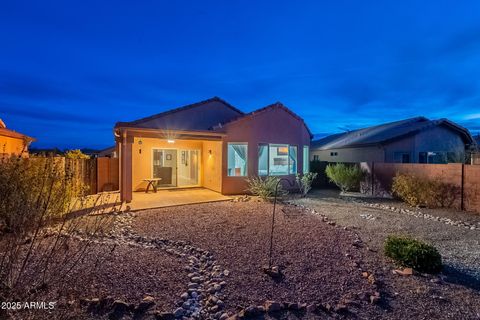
[171, 141]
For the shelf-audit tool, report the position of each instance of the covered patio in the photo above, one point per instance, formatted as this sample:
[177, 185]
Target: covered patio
[174, 197]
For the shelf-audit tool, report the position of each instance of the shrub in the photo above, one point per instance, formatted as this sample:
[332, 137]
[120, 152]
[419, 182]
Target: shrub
[346, 177]
[414, 254]
[76, 154]
[417, 191]
[37, 197]
[305, 182]
[265, 187]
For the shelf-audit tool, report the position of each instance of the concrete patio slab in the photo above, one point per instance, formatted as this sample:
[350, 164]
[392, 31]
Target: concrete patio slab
[174, 197]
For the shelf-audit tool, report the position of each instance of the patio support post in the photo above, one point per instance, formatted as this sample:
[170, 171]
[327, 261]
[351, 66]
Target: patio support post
[126, 168]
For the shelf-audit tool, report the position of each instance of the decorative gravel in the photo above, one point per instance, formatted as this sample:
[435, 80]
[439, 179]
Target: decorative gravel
[321, 262]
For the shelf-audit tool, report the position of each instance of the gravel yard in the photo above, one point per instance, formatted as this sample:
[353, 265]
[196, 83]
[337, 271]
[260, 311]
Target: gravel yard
[320, 263]
[459, 246]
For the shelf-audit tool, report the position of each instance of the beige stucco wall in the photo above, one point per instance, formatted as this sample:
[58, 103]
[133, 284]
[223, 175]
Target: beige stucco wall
[210, 167]
[12, 146]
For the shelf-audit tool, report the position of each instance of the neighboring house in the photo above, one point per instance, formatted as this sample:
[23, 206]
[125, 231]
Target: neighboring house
[213, 145]
[13, 143]
[110, 152]
[416, 140]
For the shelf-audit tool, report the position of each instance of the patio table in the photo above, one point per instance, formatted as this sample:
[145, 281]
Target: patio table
[151, 182]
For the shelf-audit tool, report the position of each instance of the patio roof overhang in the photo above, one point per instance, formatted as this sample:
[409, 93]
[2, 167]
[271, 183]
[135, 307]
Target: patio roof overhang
[173, 134]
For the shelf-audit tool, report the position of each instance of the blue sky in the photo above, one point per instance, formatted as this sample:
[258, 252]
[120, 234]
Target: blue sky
[70, 69]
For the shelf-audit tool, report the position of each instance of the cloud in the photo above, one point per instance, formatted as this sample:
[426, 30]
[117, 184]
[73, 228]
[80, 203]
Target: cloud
[46, 114]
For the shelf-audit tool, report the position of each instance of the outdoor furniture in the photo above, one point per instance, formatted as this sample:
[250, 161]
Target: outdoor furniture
[151, 182]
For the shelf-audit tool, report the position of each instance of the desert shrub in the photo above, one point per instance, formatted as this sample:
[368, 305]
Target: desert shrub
[414, 254]
[76, 154]
[39, 209]
[417, 191]
[346, 177]
[265, 187]
[305, 182]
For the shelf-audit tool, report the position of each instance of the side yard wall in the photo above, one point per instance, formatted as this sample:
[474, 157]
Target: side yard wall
[465, 178]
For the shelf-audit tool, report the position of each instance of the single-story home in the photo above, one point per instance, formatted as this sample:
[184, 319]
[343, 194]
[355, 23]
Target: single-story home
[13, 143]
[415, 140]
[211, 144]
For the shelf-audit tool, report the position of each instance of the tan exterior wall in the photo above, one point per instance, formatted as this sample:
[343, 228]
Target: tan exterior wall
[12, 146]
[209, 165]
[212, 165]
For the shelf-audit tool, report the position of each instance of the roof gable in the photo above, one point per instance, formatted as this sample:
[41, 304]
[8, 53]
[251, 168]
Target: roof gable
[276, 105]
[202, 115]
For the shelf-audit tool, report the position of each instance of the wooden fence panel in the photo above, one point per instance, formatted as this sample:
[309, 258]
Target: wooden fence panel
[107, 174]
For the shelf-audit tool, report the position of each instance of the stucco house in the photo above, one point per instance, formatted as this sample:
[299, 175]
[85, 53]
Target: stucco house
[211, 144]
[13, 143]
[415, 140]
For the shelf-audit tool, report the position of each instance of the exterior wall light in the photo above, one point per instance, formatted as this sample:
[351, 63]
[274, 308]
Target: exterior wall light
[171, 141]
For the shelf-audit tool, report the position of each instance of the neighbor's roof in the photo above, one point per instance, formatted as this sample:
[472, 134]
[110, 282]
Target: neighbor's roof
[201, 115]
[12, 134]
[385, 133]
[276, 105]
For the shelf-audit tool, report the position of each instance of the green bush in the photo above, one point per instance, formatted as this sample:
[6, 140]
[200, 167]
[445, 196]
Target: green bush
[265, 187]
[414, 254]
[418, 191]
[305, 182]
[346, 177]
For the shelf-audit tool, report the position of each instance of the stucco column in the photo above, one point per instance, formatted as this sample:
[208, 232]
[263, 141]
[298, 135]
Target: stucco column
[125, 168]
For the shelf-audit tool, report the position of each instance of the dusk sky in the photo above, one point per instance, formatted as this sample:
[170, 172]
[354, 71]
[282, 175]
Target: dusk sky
[70, 70]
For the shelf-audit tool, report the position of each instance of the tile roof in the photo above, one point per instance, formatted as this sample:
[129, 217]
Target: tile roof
[181, 118]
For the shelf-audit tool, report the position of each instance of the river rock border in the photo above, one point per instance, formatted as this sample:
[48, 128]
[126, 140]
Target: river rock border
[203, 297]
[419, 214]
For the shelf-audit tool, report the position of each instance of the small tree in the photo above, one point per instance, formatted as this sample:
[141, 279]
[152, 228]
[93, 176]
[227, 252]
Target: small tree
[305, 182]
[346, 177]
[76, 154]
[265, 187]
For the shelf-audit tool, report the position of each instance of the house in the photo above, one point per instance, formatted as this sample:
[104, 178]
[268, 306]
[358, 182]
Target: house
[13, 143]
[110, 152]
[415, 140]
[211, 144]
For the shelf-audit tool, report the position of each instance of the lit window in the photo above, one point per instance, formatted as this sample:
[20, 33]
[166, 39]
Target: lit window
[306, 159]
[237, 159]
[263, 159]
[278, 159]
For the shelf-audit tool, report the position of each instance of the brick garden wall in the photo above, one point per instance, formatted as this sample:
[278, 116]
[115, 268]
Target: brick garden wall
[383, 174]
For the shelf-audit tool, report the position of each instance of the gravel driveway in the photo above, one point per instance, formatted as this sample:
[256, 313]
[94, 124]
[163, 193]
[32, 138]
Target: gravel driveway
[460, 247]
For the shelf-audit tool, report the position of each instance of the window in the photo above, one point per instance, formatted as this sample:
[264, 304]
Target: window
[434, 157]
[306, 159]
[292, 165]
[316, 157]
[263, 159]
[237, 159]
[277, 159]
[401, 157]
[333, 154]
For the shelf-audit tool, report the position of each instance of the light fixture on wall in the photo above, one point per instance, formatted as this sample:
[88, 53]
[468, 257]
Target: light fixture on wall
[210, 152]
[171, 141]
[140, 144]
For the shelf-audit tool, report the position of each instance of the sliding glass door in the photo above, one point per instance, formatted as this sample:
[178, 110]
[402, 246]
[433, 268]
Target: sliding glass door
[176, 167]
[165, 167]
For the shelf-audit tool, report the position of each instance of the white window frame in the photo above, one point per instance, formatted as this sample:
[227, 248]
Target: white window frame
[268, 145]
